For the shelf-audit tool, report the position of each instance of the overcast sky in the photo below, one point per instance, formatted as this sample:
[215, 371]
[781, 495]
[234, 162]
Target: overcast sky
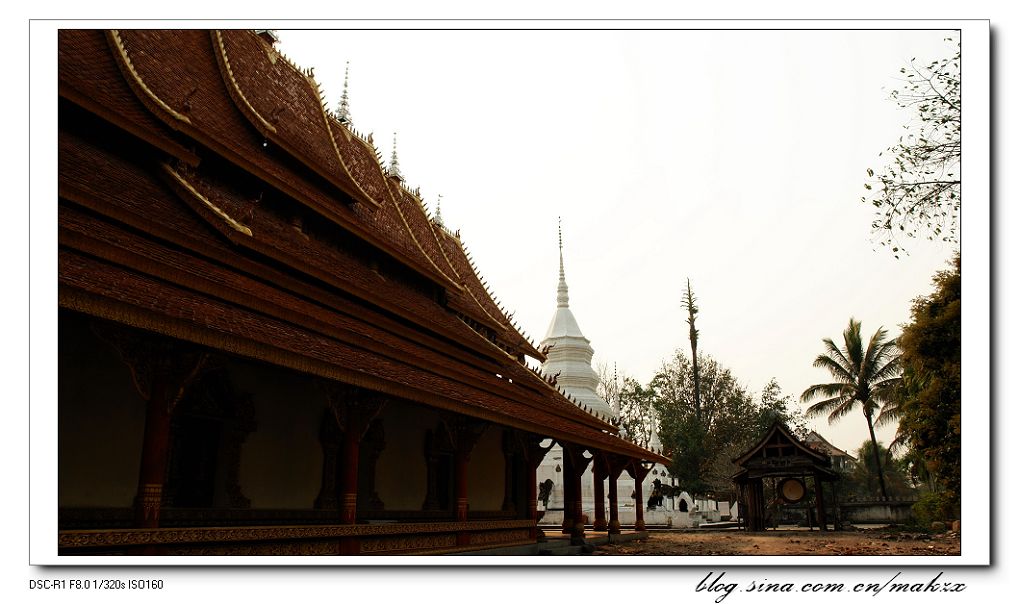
[736, 159]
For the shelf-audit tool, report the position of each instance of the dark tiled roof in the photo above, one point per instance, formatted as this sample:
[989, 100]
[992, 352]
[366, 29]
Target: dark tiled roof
[198, 232]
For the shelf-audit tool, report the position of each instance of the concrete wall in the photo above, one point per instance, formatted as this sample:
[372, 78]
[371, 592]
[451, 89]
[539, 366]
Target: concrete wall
[101, 419]
[400, 474]
[894, 512]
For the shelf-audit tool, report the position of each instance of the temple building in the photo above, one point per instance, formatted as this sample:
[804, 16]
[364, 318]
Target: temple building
[266, 343]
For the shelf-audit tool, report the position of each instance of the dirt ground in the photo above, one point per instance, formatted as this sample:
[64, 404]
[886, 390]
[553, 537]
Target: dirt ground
[871, 542]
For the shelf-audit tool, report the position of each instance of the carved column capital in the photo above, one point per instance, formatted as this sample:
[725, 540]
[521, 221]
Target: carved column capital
[160, 367]
[353, 408]
[578, 462]
[463, 433]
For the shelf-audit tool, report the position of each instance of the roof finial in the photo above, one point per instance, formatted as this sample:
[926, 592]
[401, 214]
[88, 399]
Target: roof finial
[343, 113]
[394, 163]
[438, 211]
[562, 293]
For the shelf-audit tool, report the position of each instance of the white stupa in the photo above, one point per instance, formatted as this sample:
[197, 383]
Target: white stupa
[569, 360]
[569, 352]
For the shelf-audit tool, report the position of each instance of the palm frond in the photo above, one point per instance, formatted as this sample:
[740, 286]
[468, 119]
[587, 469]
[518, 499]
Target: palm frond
[853, 343]
[842, 410]
[830, 390]
[890, 369]
[836, 369]
[837, 355]
[890, 412]
[825, 407]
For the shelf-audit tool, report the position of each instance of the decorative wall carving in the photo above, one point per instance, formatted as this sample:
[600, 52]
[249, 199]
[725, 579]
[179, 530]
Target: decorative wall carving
[396, 544]
[215, 536]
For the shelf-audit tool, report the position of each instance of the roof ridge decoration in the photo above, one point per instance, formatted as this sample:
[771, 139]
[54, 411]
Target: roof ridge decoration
[438, 244]
[309, 77]
[135, 81]
[477, 275]
[484, 285]
[343, 112]
[234, 87]
[237, 226]
[117, 44]
[414, 238]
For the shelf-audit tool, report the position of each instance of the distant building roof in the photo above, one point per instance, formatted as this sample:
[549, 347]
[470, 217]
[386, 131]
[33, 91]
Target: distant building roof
[818, 442]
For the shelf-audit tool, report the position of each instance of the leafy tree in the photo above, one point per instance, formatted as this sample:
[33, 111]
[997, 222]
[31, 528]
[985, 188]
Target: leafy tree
[919, 191]
[776, 406]
[863, 481]
[635, 411]
[864, 378]
[731, 420]
[632, 400]
[929, 401]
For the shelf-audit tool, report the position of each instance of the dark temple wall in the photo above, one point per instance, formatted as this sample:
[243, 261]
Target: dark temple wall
[101, 420]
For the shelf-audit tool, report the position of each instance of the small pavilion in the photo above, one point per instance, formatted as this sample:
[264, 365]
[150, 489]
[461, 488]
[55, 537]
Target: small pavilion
[780, 455]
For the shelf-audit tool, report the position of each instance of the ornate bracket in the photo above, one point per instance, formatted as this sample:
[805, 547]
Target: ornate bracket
[577, 460]
[353, 408]
[463, 433]
[159, 366]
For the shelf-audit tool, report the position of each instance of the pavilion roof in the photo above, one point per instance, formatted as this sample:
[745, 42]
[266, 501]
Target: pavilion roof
[780, 453]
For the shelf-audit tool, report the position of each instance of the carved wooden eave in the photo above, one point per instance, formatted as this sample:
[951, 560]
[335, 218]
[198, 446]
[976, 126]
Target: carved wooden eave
[215, 121]
[793, 457]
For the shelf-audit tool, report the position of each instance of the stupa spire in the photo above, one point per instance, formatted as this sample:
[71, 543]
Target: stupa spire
[563, 292]
[655, 443]
[343, 113]
[394, 163]
[615, 388]
[438, 211]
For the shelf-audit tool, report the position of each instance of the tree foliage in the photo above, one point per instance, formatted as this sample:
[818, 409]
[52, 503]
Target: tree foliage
[635, 414]
[864, 378]
[919, 191]
[731, 420]
[929, 402]
[863, 481]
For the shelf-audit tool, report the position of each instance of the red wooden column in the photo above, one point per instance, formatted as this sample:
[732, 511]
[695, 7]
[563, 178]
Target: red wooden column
[601, 472]
[155, 453]
[638, 472]
[577, 463]
[615, 468]
[533, 453]
[464, 433]
[348, 482]
[460, 461]
[822, 520]
[162, 371]
[354, 409]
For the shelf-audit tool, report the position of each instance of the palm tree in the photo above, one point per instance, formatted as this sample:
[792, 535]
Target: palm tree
[864, 378]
